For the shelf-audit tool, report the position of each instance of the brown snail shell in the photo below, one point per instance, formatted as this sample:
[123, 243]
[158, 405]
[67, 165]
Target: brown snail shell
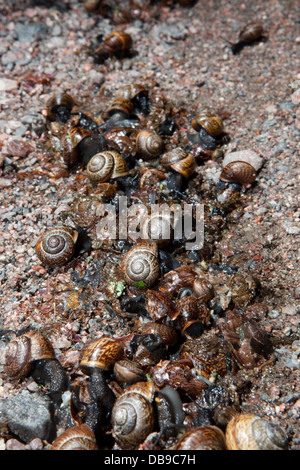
[101, 353]
[159, 227]
[210, 122]
[24, 349]
[250, 432]
[158, 305]
[140, 264]
[132, 91]
[203, 289]
[133, 415]
[149, 145]
[122, 106]
[56, 247]
[62, 100]
[248, 156]
[180, 161]
[238, 172]
[128, 372]
[251, 32]
[202, 438]
[118, 42]
[71, 140]
[167, 333]
[106, 165]
[79, 437]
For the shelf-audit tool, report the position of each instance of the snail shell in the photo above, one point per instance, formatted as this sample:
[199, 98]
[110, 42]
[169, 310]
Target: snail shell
[140, 264]
[79, 437]
[149, 145]
[59, 107]
[180, 161]
[118, 42]
[71, 140]
[159, 227]
[251, 33]
[238, 172]
[101, 353]
[106, 165]
[20, 353]
[248, 156]
[202, 438]
[210, 122]
[128, 372]
[167, 333]
[203, 289]
[250, 432]
[133, 415]
[120, 106]
[56, 247]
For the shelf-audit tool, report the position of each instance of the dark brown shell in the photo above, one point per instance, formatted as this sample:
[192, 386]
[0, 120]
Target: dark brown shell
[56, 101]
[180, 161]
[71, 140]
[238, 172]
[251, 33]
[149, 145]
[128, 372]
[118, 42]
[211, 122]
[120, 105]
[202, 438]
[101, 353]
[56, 247]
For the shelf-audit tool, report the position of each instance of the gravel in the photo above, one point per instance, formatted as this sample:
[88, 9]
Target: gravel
[186, 53]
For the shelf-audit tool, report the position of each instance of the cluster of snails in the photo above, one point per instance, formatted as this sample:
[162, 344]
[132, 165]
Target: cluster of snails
[119, 396]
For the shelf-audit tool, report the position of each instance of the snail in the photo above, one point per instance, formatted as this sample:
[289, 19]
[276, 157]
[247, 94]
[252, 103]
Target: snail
[33, 354]
[56, 247]
[159, 227]
[79, 437]
[128, 372]
[169, 411]
[179, 161]
[147, 349]
[158, 305]
[117, 44]
[141, 264]
[23, 350]
[167, 333]
[250, 432]
[97, 357]
[138, 94]
[203, 289]
[210, 122]
[202, 438]
[149, 145]
[132, 416]
[238, 172]
[71, 141]
[101, 353]
[59, 107]
[249, 34]
[106, 165]
[176, 279]
[123, 107]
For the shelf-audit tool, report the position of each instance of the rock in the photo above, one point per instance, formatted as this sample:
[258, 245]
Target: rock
[6, 84]
[28, 416]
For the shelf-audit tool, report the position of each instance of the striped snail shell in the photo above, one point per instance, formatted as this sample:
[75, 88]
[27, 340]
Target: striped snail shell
[79, 437]
[118, 41]
[133, 415]
[120, 106]
[57, 246]
[149, 145]
[202, 438]
[101, 353]
[238, 172]
[23, 350]
[159, 227]
[250, 432]
[211, 122]
[179, 161]
[140, 264]
[106, 165]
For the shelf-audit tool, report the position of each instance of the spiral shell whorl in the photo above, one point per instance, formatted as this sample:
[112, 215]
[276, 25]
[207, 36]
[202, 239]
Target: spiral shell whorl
[105, 165]
[149, 145]
[56, 247]
[140, 265]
